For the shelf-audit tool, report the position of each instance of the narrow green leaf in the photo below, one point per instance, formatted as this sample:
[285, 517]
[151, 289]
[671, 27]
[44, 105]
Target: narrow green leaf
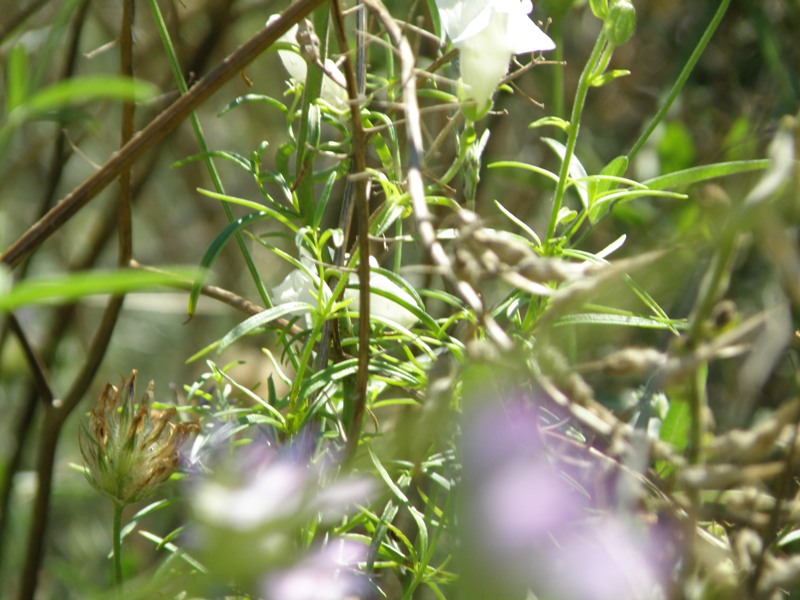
[384, 474]
[512, 164]
[79, 90]
[577, 172]
[615, 168]
[322, 203]
[233, 157]
[254, 99]
[68, 288]
[16, 77]
[259, 320]
[675, 428]
[219, 243]
[562, 124]
[608, 77]
[619, 320]
[704, 173]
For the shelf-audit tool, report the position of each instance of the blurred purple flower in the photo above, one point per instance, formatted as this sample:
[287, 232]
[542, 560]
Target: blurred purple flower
[518, 496]
[249, 513]
[329, 573]
[613, 561]
[265, 486]
[530, 524]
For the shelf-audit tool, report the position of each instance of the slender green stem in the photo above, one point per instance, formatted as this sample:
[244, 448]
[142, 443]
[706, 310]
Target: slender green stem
[117, 541]
[201, 141]
[681, 80]
[574, 127]
[697, 404]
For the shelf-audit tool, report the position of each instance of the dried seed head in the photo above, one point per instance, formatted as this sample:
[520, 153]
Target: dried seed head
[130, 450]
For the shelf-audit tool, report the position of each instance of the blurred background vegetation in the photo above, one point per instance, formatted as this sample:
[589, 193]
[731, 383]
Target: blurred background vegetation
[747, 79]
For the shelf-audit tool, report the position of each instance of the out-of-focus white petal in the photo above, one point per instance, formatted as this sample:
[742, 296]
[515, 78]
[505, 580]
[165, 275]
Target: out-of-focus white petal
[334, 89]
[381, 306]
[463, 19]
[270, 496]
[298, 286]
[334, 86]
[527, 36]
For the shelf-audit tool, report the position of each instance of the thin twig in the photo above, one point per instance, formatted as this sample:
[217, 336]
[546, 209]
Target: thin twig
[56, 414]
[156, 131]
[38, 369]
[241, 304]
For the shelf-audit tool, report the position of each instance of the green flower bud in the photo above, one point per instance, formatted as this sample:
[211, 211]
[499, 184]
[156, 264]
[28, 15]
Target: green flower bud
[599, 8]
[130, 450]
[620, 23]
[471, 172]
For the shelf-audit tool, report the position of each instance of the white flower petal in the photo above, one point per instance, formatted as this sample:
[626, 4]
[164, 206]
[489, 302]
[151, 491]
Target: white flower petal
[463, 19]
[334, 89]
[527, 37]
[488, 34]
[299, 286]
[381, 306]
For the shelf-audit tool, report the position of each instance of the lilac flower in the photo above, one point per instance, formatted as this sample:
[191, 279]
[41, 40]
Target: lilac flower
[614, 561]
[276, 489]
[250, 513]
[530, 524]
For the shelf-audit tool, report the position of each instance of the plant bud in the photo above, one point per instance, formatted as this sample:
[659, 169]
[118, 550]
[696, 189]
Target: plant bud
[620, 23]
[130, 450]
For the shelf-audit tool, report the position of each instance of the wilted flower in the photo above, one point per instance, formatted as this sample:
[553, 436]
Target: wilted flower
[130, 450]
[488, 33]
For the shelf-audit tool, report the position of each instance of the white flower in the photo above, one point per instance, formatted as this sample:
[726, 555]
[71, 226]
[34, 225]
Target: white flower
[334, 87]
[488, 33]
[381, 306]
[300, 286]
